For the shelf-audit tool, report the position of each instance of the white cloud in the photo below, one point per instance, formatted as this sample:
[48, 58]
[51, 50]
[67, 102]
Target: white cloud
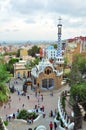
[38, 19]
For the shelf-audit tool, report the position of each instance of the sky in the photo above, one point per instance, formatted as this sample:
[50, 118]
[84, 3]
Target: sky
[38, 19]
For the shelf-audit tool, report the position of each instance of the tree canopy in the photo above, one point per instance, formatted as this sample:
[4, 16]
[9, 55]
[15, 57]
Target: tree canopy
[80, 60]
[78, 93]
[9, 65]
[34, 50]
[77, 68]
[3, 73]
[4, 91]
[31, 63]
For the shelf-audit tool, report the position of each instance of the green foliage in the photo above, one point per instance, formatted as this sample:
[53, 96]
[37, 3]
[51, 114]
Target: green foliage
[4, 92]
[13, 60]
[63, 102]
[65, 62]
[3, 73]
[6, 123]
[31, 64]
[34, 50]
[2, 61]
[62, 124]
[10, 53]
[78, 67]
[55, 46]
[58, 116]
[79, 91]
[80, 60]
[32, 115]
[18, 53]
[9, 65]
[24, 114]
[75, 75]
[35, 128]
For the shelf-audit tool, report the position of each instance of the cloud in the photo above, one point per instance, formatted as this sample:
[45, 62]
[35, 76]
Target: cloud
[65, 7]
[42, 15]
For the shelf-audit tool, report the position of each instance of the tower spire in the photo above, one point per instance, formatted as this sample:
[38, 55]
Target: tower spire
[59, 44]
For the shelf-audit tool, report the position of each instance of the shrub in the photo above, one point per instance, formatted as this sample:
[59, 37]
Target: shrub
[35, 128]
[23, 114]
[63, 102]
[32, 115]
[58, 116]
[6, 123]
[62, 124]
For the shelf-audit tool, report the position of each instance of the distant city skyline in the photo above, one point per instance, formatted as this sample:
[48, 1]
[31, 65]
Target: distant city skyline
[38, 19]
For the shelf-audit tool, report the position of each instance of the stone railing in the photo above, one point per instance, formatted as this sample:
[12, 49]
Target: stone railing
[65, 119]
[41, 127]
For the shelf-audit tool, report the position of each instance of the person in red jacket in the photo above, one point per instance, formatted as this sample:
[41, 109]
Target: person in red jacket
[51, 125]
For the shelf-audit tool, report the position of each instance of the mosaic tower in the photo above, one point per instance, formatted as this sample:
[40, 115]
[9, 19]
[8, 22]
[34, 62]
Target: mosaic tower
[59, 45]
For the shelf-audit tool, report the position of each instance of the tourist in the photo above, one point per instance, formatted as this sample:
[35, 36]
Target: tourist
[55, 125]
[9, 104]
[55, 111]
[28, 97]
[42, 107]
[42, 98]
[43, 114]
[5, 107]
[23, 105]
[51, 125]
[17, 110]
[51, 113]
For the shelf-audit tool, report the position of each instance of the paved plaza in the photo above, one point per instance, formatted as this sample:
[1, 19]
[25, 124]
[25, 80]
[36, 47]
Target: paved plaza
[49, 102]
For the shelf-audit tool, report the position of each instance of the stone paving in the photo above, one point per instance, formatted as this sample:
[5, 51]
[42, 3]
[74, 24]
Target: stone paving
[49, 102]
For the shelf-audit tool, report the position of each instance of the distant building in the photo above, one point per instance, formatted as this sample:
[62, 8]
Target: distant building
[20, 70]
[23, 52]
[51, 52]
[74, 46]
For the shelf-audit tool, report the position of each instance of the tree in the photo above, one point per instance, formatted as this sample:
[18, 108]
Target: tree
[34, 50]
[75, 76]
[3, 73]
[31, 63]
[18, 53]
[55, 46]
[80, 60]
[10, 66]
[4, 91]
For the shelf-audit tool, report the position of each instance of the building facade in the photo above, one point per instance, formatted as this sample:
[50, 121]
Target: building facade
[51, 52]
[46, 76]
[20, 70]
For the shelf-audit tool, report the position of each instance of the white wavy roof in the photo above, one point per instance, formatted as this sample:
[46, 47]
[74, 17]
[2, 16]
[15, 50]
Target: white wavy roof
[41, 67]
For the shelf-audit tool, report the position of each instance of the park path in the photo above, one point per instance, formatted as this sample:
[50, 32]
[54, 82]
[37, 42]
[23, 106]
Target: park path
[49, 102]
